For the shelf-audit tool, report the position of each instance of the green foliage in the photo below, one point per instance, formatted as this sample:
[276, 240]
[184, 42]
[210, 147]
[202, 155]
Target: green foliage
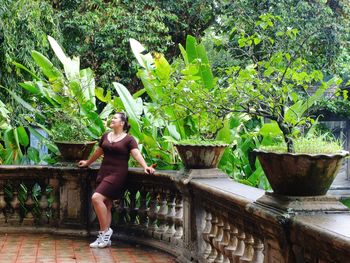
[310, 145]
[346, 202]
[322, 26]
[100, 30]
[61, 102]
[150, 131]
[200, 142]
[68, 128]
[276, 86]
[24, 25]
[337, 106]
[185, 93]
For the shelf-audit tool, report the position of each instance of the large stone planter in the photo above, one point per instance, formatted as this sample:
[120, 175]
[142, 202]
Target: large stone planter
[201, 156]
[300, 174]
[72, 152]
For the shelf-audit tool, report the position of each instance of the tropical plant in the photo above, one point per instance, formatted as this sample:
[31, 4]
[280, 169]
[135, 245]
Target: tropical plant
[61, 99]
[14, 140]
[180, 92]
[279, 86]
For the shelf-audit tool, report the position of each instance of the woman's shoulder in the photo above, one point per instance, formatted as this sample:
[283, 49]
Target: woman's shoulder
[130, 137]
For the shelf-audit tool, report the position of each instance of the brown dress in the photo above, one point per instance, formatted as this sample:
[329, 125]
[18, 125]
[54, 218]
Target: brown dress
[114, 168]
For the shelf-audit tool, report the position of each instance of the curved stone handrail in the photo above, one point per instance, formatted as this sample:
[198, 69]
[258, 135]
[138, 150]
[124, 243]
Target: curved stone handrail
[198, 215]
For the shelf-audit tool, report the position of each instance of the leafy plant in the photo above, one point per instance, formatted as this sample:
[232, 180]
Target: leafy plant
[62, 97]
[181, 92]
[277, 86]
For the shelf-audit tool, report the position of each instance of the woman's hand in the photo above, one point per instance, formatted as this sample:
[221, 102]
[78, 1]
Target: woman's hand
[83, 163]
[149, 170]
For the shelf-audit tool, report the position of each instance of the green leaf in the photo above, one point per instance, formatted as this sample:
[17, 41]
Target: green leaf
[71, 66]
[18, 65]
[30, 87]
[205, 70]
[162, 68]
[99, 94]
[23, 138]
[51, 146]
[145, 60]
[270, 129]
[184, 54]
[224, 134]
[25, 104]
[46, 66]
[191, 50]
[33, 155]
[131, 106]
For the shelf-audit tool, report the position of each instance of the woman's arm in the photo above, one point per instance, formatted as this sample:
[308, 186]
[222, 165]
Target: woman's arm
[136, 154]
[85, 163]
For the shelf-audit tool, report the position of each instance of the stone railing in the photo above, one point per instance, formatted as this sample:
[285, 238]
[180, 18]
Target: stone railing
[198, 215]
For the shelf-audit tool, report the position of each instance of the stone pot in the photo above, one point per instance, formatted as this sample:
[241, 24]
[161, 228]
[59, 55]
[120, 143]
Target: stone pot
[72, 152]
[300, 174]
[200, 156]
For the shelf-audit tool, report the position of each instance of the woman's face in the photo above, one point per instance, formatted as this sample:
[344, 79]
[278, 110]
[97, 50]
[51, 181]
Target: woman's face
[116, 121]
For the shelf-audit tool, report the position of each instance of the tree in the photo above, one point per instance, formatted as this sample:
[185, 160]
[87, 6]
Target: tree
[98, 31]
[325, 25]
[24, 26]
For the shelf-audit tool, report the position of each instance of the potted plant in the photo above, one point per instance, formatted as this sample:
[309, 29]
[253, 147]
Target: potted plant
[180, 93]
[71, 136]
[275, 86]
[63, 104]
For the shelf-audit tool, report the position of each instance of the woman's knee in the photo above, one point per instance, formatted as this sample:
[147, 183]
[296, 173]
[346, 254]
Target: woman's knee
[97, 198]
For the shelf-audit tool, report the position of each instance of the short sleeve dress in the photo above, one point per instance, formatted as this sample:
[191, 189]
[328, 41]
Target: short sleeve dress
[114, 167]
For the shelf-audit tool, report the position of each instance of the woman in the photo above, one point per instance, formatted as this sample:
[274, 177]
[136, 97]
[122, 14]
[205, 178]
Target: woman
[116, 147]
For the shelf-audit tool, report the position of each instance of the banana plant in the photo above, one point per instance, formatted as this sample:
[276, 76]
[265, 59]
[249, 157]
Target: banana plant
[14, 148]
[69, 93]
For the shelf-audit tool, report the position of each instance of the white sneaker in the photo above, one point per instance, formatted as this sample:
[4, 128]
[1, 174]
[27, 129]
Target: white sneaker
[105, 239]
[99, 239]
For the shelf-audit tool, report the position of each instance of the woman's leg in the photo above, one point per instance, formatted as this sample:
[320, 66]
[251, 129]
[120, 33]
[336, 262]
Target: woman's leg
[109, 205]
[102, 209]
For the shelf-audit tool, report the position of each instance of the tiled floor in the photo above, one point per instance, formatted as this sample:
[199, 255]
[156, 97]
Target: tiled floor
[41, 248]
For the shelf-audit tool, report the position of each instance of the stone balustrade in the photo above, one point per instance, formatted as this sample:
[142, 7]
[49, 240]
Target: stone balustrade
[197, 215]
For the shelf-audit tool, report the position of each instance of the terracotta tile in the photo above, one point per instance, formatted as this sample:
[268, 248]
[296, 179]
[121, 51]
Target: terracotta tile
[42, 248]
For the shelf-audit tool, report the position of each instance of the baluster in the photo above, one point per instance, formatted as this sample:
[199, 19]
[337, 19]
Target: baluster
[248, 251]
[225, 240]
[178, 219]
[2, 204]
[132, 209]
[161, 215]
[152, 213]
[143, 210]
[258, 256]
[14, 218]
[217, 240]
[206, 233]
[28, 219]
[54, 196]
[170, 217]
[121, 211]
[232, 245]
[240, 246]
[212, 235]
[43, 204]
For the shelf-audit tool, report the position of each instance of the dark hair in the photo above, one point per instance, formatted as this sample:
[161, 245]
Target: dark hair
[124, 118]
